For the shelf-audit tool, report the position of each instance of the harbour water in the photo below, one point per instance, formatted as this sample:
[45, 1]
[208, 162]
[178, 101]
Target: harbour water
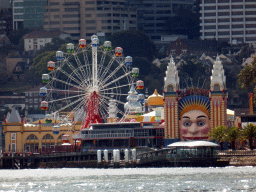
[130, 179]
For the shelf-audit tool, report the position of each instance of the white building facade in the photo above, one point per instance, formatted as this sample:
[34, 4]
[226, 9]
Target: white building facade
[233, 21]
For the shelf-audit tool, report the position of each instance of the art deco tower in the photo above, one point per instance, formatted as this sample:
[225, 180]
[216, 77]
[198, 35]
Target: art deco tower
[171, 88]
[218, 95]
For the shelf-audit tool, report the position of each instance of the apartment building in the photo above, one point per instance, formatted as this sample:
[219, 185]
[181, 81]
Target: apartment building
[233, 21]
[152, 14]
[83, 18]
[28, 13]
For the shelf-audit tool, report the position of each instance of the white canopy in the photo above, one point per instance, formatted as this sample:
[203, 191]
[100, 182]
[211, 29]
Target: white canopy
[193, 144]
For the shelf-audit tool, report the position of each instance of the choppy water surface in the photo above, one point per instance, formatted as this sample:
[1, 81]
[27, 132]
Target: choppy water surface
[134, 179]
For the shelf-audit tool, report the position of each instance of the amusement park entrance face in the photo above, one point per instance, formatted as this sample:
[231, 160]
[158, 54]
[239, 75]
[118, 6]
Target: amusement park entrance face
[194, 125]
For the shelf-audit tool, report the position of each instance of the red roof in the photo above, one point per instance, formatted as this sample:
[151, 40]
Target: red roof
[43, 34]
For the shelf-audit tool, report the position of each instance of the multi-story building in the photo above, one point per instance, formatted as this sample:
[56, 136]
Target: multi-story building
[5, 20]
[38, 39]
[84, 18]
[28, 13]
[233, 21]
[32, 98]
[152, 14]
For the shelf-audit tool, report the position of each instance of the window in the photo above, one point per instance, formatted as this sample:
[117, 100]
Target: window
[90, 28]
[54, 3]
[35, 100]
[216, 87]
[54, 22]
[56, 16]
[71, 28]
[71, 9]
[70, 22]
[170, 88]
[90, 9]
[90, 21]
[47, 136]
[30, 100]
[54, 10]
[71, 15]
[184, 51]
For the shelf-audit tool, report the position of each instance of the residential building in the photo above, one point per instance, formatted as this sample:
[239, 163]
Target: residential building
[191, 46]
[82, 19]
[28, 13]
[37, 39]
[152, 14]
[5, 20]
[32, 98]
[14, 58]
[233, 21]
[4, 40]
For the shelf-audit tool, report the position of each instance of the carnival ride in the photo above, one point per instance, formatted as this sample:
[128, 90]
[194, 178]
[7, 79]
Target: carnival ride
[88, 83]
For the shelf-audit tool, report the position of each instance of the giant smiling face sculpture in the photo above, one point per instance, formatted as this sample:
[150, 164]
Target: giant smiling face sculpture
[194, 125]
[194, 117]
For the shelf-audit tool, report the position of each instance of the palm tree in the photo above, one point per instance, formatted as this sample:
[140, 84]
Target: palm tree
[218, 134]
[249, 132]
[233, 134]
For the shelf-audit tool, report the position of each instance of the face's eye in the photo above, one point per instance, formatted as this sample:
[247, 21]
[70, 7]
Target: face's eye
[200, 123]
[187, 124]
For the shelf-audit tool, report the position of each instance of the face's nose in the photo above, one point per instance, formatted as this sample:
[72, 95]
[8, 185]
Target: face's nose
[193, 129]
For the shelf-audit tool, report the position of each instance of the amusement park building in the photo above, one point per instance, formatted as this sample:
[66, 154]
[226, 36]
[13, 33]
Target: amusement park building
[186, 115]
[82, 19]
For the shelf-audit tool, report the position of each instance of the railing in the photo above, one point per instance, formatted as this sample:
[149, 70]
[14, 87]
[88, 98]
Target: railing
[104, 135]
[236, 152]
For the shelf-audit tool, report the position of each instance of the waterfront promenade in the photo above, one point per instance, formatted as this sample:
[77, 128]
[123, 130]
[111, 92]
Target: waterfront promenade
[147, 158]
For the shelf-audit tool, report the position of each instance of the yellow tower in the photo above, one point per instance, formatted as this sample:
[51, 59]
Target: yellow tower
[218, 95]
[171, 88]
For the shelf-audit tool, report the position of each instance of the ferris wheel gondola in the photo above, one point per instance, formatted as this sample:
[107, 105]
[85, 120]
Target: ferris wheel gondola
[89, 83]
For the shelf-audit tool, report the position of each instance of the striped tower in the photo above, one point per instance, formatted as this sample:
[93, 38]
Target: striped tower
[218, 95]
[171, 88]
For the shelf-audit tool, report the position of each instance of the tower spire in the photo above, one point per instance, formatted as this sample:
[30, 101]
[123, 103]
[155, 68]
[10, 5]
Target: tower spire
[172, 80]
[218, 79]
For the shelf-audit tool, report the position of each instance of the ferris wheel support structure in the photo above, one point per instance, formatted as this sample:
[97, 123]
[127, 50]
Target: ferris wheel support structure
[93, 115]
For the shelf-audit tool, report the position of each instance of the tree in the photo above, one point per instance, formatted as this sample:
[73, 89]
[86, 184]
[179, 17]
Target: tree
[219, 133]
[55, 44]
[246, 77]
[184, 23]
[249, 132]
[233, 134]
[193, 74]
[134, 43]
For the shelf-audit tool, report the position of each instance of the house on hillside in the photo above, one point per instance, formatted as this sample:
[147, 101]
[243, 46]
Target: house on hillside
[18, 72]
[189, 46]
[14, 58]
[4, 40]
[38, 39]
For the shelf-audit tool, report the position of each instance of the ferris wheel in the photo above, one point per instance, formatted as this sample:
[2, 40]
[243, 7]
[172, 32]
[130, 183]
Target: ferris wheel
[88, 83]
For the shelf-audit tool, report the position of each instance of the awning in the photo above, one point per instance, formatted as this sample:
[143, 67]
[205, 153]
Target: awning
[193, 144]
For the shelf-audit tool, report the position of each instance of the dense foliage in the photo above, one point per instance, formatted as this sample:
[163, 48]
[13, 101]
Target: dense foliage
[134, 43]
[233, 134]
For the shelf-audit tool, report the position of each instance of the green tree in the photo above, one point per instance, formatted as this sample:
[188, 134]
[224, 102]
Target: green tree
[233, 135]
[55, 44]
[246, 78]
[193, 73]
[134, 43]
[219, 134]
[249, 132]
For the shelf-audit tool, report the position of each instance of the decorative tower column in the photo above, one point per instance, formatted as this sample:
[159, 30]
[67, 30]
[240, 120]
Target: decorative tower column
[218, 95]
[171, 88]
